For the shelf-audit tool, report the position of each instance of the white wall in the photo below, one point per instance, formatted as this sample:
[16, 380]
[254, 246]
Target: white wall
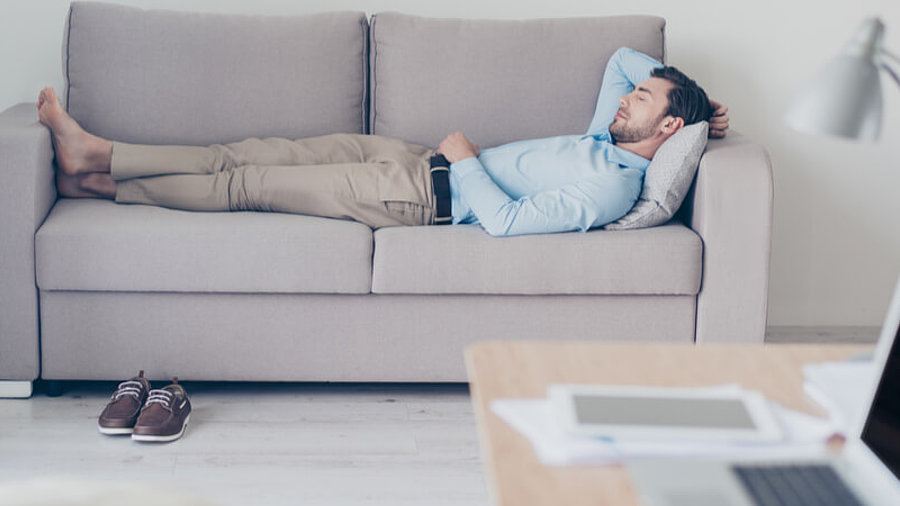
[836, 247]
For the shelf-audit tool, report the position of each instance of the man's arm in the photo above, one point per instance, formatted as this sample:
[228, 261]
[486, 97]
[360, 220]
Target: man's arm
[625, 68]
[571, 207]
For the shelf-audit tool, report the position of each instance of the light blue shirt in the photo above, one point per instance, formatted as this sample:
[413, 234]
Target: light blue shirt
[558, 184]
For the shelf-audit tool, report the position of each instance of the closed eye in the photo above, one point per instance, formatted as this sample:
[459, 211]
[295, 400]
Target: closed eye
[643, 93]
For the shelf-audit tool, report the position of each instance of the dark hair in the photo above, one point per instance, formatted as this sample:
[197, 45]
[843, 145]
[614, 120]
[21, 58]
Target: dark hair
[687, 100]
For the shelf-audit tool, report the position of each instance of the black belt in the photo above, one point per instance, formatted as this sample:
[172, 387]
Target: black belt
[440, 181]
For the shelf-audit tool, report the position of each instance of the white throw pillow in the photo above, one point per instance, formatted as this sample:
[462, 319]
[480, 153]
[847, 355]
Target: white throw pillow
[667, 180]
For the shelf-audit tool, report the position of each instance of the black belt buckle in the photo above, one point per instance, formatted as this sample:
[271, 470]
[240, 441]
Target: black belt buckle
[440, 182]
[439, 160]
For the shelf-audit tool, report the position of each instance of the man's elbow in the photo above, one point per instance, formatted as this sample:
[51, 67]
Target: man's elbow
[621, 52]
[495, 229]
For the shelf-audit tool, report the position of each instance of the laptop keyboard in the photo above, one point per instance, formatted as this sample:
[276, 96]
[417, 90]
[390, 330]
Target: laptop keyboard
[790, 485]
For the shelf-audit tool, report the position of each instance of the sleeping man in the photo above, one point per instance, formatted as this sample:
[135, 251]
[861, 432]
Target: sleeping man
[557, 184]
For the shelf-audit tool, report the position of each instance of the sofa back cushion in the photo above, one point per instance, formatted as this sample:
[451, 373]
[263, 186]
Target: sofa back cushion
[497, 81]
[167, 77]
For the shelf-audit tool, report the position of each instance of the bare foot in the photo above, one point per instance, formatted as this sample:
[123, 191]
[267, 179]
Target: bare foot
[91, 185]
[77, 151]
[101, 184]
[70, 186]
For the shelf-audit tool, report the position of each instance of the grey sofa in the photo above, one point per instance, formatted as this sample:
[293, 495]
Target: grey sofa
[94, 290]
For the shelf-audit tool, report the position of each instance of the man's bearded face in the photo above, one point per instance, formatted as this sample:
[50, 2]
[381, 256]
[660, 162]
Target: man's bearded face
[641, 112]
[622, 131]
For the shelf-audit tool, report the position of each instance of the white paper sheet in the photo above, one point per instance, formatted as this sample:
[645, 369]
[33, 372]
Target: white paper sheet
[841, 388]
[804, 437]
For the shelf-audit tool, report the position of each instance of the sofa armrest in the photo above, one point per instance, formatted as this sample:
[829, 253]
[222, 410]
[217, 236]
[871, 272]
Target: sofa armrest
[27, 193]
[731, 211]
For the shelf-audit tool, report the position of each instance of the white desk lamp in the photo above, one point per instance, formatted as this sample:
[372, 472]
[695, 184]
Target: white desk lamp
[844, 97]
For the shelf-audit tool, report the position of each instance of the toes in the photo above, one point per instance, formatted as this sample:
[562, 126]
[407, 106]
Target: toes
[47, 95]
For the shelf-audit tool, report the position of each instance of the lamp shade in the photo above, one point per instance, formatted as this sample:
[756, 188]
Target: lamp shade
[844, 97]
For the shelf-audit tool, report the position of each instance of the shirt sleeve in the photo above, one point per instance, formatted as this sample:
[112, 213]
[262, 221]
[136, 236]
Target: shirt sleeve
[625, 69]
[578, 206]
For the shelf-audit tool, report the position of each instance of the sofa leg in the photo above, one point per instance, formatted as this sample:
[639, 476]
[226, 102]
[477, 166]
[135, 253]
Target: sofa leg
[53, 388]
[16, 389]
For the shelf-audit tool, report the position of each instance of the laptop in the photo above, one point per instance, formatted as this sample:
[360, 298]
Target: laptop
[867, 472]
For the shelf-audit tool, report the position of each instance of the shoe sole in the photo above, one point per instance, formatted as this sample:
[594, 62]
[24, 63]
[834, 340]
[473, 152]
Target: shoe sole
[150, 438]
[115, 431]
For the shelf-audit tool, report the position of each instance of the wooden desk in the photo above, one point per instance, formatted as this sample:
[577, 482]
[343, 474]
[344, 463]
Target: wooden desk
[512, 369]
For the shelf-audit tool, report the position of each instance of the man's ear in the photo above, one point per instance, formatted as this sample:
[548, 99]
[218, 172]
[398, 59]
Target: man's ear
[671, 124]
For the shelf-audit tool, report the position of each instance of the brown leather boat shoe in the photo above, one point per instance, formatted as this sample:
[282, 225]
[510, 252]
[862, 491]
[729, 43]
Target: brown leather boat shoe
[121, 412]
[164, 416]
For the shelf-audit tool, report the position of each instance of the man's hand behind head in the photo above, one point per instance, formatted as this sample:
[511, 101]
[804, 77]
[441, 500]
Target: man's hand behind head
[718, 122]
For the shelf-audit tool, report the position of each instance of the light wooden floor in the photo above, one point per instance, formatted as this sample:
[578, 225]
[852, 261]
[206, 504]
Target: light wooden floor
[273, 444]
[266, 444]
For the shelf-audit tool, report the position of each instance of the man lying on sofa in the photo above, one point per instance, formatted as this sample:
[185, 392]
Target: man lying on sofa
[558, 184]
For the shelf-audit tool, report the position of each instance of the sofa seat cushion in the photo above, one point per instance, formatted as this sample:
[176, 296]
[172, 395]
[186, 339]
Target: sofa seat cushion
[89, 244]
[463, 259]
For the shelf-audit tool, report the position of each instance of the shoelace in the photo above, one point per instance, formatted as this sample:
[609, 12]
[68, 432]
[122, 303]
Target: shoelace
[159, 396]
[132, 388]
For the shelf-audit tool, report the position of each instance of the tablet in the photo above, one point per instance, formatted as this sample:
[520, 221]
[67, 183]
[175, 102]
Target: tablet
[655, 413]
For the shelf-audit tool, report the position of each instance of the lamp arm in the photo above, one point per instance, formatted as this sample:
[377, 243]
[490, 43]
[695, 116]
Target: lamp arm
[888, 69]
[890, 55]
[892, 73]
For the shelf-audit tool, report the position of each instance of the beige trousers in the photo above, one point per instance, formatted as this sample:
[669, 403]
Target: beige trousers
[375, 180]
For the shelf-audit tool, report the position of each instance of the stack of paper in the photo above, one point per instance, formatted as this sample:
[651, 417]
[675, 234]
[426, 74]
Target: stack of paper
[837, 388]
[841, 388]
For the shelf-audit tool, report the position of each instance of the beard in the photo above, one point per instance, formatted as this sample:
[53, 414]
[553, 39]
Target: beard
[621, 132]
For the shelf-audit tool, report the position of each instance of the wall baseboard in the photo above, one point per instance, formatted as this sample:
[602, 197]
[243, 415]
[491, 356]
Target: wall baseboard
[799, 334]
[15, 389]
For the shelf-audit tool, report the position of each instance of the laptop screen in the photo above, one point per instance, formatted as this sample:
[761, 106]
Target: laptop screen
[881, 432]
